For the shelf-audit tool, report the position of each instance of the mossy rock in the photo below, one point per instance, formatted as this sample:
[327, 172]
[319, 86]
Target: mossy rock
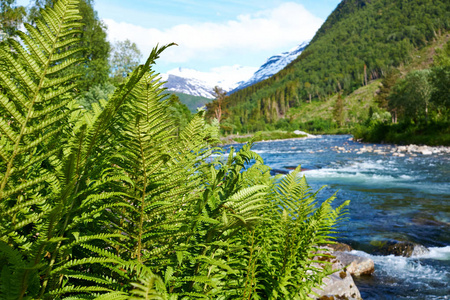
[406, 249]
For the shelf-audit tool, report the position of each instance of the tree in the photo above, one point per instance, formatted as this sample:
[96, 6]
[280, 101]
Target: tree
[179, 112]
[125, 57]
[411, 96]
[440, 78]
[387, 83]
[94, 56]
[338, 110]
[11, 17]
[220, 96]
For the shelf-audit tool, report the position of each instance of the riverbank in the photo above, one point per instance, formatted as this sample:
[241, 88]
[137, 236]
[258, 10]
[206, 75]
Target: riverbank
[431, 133]
[411, 150]
[421, 142]
[264, 136]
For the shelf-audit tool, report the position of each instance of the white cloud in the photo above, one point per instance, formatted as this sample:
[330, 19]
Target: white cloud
[286, 25]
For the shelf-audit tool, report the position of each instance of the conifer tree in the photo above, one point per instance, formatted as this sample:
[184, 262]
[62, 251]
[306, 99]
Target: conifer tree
[338, 110]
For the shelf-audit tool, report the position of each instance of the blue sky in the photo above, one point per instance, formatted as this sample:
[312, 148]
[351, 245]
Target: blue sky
[213, 34]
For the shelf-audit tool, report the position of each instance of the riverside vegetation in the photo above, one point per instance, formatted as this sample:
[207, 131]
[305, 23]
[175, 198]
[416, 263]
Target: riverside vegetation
[118, 203]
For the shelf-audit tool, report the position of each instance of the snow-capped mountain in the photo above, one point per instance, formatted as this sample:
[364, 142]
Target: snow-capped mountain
[196, 83]
[188, 86]
[272, 66]
[230, 79]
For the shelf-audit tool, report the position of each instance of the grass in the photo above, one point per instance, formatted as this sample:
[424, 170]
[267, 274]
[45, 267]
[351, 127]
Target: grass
[262, 136]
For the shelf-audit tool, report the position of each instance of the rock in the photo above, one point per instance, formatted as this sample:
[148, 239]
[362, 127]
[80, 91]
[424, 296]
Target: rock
[426, 152]
[356, 265]
[406, 249]
[339, 285]
[299, 132]
[339, 247]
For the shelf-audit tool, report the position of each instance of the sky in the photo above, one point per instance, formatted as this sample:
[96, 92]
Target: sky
[213, 35]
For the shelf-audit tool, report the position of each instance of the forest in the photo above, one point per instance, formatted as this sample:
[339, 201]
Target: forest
[116, 199]
[360, 41]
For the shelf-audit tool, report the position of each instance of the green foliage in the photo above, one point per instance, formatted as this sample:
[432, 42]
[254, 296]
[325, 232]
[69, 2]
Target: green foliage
[379, 34]
[94, 53]
[192, 102]
[96, 94]
[125, 58]
[440, 78]
[268, 136]
[117, 202]
[410, 97]
[387, 83]
[11, 16]
[338, 110]
[419, 102]
[180, 112]
[434, 133]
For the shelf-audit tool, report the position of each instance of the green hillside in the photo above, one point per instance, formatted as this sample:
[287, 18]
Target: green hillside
[192, 102]
[359, 42]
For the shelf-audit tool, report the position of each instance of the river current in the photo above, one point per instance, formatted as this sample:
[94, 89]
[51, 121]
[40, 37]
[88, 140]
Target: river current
[402, 198]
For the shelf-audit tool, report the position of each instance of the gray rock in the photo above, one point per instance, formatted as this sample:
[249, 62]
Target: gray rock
[339, 247]
[339, 285]
[406, 249]
[356, 265]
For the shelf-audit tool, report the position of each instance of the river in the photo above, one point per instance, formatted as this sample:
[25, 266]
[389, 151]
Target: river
[402, 198]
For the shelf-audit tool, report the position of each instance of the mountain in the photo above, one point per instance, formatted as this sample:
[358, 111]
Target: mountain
[272, 66]
[359, 42]
[192, 102]
[201, 84]
[189, 86]
[231, 79]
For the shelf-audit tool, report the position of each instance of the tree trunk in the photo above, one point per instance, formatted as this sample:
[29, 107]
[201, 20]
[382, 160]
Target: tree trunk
[365, 74]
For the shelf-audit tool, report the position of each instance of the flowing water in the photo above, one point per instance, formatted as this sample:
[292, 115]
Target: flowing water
[392, 198]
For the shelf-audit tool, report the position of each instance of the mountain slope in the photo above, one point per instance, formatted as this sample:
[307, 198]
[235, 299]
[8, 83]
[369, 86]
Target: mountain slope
[192, 102]
[189, 86]
[359, 41]
[272, 66]
[197, 83]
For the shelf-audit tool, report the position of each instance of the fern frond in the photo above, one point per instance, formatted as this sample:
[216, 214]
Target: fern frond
[26, 89]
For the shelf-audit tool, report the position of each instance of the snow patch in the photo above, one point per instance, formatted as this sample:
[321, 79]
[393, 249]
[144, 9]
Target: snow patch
[197, 83]
[273, 65]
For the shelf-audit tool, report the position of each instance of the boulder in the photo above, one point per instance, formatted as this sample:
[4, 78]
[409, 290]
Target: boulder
[339, 285]
[426, 152]
[356, 265]
[339, 247]
[406, 249]
[299, 132]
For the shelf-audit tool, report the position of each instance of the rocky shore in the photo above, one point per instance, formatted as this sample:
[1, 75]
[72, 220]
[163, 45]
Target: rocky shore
[395, 150]
[340, 284]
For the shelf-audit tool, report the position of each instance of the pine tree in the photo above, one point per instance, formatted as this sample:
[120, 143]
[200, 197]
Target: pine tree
[338, 110]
